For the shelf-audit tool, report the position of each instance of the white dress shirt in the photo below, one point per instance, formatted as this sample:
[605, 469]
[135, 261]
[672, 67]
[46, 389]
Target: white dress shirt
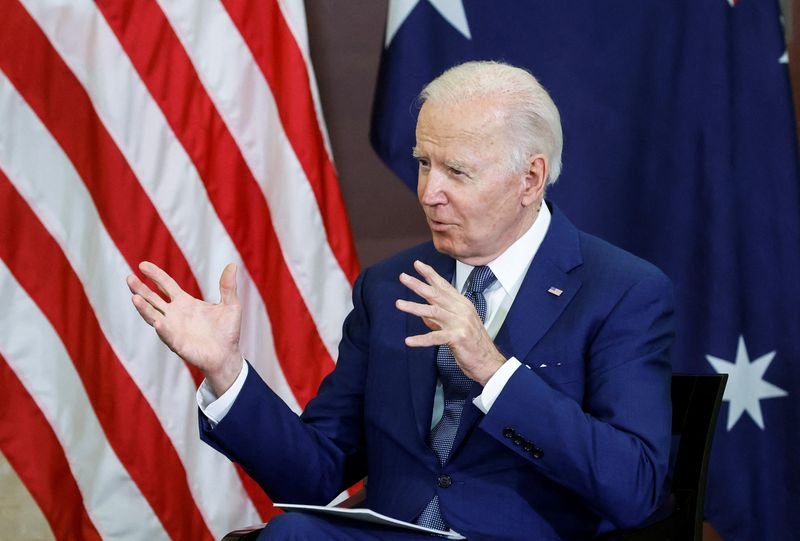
[509, 268]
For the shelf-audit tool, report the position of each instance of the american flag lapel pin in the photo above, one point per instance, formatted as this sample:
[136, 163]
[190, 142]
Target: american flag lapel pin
[555, 291]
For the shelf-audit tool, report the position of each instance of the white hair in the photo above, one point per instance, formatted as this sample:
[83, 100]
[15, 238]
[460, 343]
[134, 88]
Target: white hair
[533, 118]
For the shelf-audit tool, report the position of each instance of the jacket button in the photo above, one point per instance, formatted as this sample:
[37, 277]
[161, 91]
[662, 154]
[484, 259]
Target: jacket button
[444, 481]
[528, 447]
[509, 433]
[519, 440]
[537, 453]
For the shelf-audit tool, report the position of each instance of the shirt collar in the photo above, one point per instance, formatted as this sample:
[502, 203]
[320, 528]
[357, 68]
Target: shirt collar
[511, 266]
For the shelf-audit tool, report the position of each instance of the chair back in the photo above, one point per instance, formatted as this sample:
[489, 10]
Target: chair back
[695, 407]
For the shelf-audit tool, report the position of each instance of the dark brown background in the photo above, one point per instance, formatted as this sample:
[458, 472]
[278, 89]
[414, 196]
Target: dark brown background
[346, 42]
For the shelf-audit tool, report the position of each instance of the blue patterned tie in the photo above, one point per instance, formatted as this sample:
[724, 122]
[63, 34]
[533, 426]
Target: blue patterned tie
[456, 387]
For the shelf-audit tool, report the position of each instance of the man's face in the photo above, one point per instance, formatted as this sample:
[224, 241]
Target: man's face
[475, 207]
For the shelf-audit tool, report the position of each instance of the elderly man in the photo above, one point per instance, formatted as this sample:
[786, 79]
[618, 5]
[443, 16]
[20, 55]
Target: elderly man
[509, 380]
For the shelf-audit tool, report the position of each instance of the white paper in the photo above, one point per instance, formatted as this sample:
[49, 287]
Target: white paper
[366, 515]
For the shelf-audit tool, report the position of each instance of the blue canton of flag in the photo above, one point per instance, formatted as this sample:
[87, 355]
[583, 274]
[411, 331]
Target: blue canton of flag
[680, 147]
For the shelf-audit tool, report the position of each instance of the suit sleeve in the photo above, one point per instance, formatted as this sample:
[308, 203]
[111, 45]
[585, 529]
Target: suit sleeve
[610, 447]
[310, 458]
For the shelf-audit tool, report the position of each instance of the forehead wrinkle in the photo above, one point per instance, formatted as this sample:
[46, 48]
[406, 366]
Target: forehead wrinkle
[467, 134]
[455, 163]
[456, 156]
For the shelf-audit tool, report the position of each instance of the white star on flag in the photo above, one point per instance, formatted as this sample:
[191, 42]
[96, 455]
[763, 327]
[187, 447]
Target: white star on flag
[451, 10]
[746, 388]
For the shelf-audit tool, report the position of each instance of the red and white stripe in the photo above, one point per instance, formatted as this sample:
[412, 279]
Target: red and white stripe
[189, 134]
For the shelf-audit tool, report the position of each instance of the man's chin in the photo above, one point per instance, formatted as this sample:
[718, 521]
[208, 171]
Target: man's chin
[444, 244]
[447, 246]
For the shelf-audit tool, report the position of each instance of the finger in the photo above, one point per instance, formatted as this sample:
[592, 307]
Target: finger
[425, 311]
[164, 281]
[146, 310]
[138, 287]
[431, 276]
[227, 285]
[416, 308]
[134, 284]
[435, 280]
[433, 338]
[419, 287]
[445, 296]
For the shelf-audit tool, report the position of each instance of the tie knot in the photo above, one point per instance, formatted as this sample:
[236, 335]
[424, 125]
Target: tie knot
[479, 279]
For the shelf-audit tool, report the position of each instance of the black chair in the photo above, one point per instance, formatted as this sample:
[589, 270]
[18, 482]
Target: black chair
[695, 407]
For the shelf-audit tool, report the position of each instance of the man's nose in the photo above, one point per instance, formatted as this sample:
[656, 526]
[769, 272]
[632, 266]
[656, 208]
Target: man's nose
[431, 188]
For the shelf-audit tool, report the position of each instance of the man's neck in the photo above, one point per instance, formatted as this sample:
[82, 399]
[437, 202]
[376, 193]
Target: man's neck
[511, 265]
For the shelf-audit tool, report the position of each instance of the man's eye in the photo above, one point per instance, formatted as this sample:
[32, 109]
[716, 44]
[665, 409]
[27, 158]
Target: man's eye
[455, 172]
[423, 162]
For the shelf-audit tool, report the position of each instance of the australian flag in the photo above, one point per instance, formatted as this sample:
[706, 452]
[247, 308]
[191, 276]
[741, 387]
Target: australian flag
[680, 147]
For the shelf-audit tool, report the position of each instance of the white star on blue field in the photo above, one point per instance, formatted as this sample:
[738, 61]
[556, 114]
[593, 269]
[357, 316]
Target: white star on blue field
[746, 386]
[451, 10]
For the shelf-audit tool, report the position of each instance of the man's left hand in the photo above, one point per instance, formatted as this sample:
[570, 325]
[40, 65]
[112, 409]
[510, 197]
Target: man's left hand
[454, 321]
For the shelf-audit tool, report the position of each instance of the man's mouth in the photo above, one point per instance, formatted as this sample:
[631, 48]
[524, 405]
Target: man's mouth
[437, 225]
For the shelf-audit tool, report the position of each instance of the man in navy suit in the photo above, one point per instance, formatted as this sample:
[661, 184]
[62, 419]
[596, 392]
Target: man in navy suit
[535, 406]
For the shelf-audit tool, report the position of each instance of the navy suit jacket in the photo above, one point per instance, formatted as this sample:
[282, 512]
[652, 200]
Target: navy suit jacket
[576, 444]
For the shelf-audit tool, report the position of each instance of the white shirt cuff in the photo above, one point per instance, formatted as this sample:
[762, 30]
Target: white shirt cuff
[215, 408]
[495, 385]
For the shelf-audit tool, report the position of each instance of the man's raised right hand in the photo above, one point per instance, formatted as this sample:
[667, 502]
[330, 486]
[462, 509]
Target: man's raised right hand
[204, 335]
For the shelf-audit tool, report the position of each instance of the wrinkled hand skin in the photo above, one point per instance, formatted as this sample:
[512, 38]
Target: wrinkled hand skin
[452, 319]
[204, 335]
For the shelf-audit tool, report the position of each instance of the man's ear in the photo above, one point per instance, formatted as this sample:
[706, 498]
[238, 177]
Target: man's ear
[535, 180]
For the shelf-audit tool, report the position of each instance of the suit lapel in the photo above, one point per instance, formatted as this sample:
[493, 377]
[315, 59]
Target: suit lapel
[536, 306]
[535, 309]
[422, 361]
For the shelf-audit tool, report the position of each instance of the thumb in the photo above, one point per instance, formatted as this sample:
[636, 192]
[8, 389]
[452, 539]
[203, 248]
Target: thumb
[227, 285]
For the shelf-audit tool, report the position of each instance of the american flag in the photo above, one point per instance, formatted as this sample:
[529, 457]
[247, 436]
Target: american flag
[188, 133]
